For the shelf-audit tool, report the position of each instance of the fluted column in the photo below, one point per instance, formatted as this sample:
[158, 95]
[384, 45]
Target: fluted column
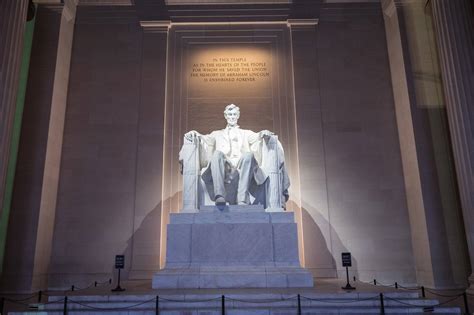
[454, 31]
[12, 27]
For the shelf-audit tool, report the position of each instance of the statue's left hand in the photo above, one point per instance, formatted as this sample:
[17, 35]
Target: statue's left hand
[265, 134]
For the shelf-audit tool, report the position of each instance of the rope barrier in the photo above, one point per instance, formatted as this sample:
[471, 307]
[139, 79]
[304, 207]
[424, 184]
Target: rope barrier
[24, 299]
[442, 295]
[74, 288]
[116, 309]
[263, 301]
[16, 302]
[385, 285]
[52, 302]
[190, 301]
[342, 302]
[222, 298]
[409, 288]
[416, 305]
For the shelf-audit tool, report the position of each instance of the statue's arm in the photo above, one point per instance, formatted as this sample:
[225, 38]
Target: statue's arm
[265, 134]
[190, 135]
[208, 139]
[255, 137]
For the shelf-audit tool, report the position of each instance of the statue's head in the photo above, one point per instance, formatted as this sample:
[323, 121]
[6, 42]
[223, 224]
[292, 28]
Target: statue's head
[232, 114]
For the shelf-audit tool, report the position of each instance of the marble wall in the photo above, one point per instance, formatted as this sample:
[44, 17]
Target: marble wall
[110, 187]
[353, 196]
[333, 105]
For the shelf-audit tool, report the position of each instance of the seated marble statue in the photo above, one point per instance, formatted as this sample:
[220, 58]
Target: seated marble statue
[235, 163]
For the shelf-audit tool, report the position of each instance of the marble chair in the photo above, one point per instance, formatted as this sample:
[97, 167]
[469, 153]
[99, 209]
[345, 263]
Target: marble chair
[272, 194]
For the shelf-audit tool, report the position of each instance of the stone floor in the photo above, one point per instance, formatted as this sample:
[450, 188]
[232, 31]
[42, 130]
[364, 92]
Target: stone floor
[323, 287]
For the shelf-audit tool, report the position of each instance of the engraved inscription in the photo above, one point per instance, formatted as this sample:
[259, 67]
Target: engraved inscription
[229, 69]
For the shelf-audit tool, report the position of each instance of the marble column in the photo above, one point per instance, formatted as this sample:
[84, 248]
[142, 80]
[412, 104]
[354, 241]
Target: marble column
[145, 260]
[12, 26]
[37, 173]
[439, 249]
[454, 24]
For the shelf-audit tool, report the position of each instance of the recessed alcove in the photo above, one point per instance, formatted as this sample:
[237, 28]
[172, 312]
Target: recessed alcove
[210, 66]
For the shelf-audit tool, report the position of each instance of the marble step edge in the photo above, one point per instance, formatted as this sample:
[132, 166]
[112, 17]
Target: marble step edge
[243, 305]
[249, 311]
[251, 296]
[231, 217]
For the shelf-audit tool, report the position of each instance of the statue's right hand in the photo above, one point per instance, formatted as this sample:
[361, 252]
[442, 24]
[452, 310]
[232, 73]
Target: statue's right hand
[190, 135]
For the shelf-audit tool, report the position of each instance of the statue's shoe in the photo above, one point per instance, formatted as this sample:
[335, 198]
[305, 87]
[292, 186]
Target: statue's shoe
[220, 201]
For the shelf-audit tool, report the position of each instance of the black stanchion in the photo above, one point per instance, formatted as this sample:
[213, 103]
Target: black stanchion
[223, 305]
[396, 285]
[72, 288]
[2, 305]
[110, 281]
[119, 264]
[65, 306]
[157, 305]
[347, 262]
[354, 278]
[348, 285]
[118, 288]
[423, 294]
[375, 282]
[95, 283]
[466, 304]
[382, 306]
[40, 296]
[299, 304]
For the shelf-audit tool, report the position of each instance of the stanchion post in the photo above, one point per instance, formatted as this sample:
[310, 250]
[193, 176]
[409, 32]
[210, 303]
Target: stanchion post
[223, 305]
[382, 306]
[119, 264]
[423, 294]
[157, 305]
[72, 287]
[347, 262]
[110, 281]
[2, 304]
[396, 285]
[466, 304]
[299, 304]
[95, 284]
[65, 306]
[40, 296]
[375, 282]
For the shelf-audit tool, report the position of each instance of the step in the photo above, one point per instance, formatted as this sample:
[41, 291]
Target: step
[242, 304]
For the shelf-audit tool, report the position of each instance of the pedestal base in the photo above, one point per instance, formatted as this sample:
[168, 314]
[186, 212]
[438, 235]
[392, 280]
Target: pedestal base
[232, 277]
[232, 249]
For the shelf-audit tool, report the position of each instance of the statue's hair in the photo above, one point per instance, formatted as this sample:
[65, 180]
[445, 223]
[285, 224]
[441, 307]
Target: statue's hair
[230, 107]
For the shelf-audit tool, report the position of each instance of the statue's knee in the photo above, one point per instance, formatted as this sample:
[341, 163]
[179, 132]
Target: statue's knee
[247, 157]
[218, 155]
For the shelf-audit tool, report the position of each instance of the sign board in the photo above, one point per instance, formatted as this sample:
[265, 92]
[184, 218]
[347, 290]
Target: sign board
[119, 261]
[346, 260]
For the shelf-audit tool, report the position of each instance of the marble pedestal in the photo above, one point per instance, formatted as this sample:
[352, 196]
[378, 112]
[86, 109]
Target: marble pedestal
[235, 247]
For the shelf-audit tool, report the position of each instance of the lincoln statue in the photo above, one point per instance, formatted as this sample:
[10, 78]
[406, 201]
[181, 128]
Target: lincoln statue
[231, 161]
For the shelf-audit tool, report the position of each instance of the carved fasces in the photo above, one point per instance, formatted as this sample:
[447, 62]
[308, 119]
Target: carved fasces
[190, 168]
[271, 167]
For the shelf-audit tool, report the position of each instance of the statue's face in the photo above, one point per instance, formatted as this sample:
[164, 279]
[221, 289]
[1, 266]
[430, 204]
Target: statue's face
[232, 116]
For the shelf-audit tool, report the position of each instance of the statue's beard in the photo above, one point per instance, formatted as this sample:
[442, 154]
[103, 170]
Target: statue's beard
[232, 123]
